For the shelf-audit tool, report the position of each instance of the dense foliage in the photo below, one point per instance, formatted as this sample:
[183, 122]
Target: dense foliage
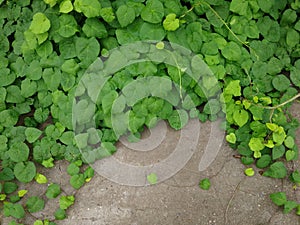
[251, 46]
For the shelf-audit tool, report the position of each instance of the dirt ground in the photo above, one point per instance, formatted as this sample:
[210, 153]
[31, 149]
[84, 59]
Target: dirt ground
[233, 198]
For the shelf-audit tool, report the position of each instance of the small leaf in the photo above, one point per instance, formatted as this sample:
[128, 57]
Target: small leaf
[249, 172]
[290, 155]
[35, 204]
[152, 178]
[153, 12]
[40, 178]
[66, 201]
[40, 23]
[25, 172]
[60, 214]
[276, 170]
[22, 193]
[241, 117]
[53, 191]
[73, 169]
[77, 181]
[9, 187]
[125, 15]
[32, 134]
[65, 6]
[278, 198]
[289, 206]
[256, 144]
[289, 142]
[205, 184]
[263, 161]
[171, 23]
[231, 138]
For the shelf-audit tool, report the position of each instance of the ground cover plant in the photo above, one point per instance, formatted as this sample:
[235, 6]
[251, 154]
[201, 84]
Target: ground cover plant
[251, 46]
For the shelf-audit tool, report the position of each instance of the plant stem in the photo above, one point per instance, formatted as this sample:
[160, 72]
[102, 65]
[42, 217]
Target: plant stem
[284, 103]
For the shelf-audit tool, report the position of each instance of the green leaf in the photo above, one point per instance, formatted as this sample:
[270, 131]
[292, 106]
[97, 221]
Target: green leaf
[32, 134]
[40, 23]
[71, 67]
[53, 191]
[38, 222]
[87, 50]
[278, 198]
[241, 117]
[15, 210]
[60, 214]
[73, 169]
[41, 179]
[279, 136]
[241, 7]
[233, 88]
[28, 88]
[150, 31]
[178, 119]
[14, 94]
[125, 15]
[290, 155]
[205, 184]
[107, 14]
[289, 142]
[171, 23]
[18, 152]
[212, 107]
[281, 83]
[292, 38]
[263, 161]
[35, 204]
[8, 118]
[90, 8]
[231, 138]
[276, 170]
[67, 138]
[65, 6]
[152, 178]
[249, 172]
[256, 144]
[232, 51]
[25, 172]
[295, 177]
[94, 28]
[153, 12]
[289, 206]
[294, 75]
[9, 187]
[67, 25]
[7, 174]
[77, 181]
[66, 201]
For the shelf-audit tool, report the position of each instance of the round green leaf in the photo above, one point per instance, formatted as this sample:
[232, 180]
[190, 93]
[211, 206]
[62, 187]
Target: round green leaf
[25, 172]
[125, 15]
[65, 6]
[40, 23]
[77, 181]
[263, 161]
[281, 83]
[18, 152]
[171, 23]
[35, 204]
[153, 12]
[249, 172]
[53, 191]
[205, 184]
[32, 134]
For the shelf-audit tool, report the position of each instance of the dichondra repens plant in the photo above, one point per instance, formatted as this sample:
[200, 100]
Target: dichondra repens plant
[251, 46]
